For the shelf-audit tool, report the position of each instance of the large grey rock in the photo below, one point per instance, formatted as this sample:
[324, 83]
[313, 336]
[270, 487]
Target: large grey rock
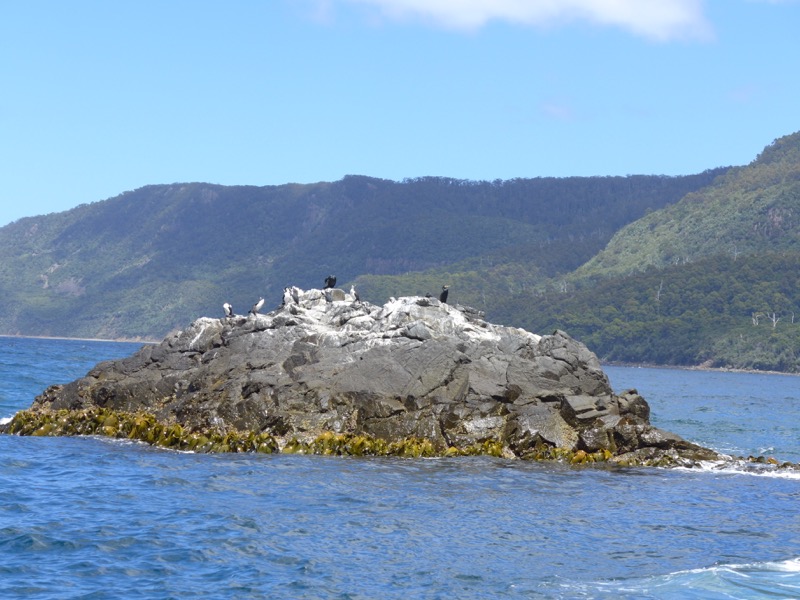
[412, 367]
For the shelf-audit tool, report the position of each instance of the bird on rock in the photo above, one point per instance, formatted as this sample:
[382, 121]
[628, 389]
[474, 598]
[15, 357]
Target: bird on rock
[257, 306]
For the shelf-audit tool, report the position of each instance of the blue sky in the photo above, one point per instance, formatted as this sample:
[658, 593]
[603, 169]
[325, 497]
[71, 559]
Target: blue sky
[103, 97]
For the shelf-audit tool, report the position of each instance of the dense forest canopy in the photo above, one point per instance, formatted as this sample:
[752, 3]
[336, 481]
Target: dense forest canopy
[712, 279]
[722, 311]
[748, 210]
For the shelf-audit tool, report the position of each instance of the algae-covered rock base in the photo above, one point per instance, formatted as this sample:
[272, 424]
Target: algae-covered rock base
[327, 374]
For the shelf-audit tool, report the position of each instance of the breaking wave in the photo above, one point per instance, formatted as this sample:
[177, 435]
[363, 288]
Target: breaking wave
[779, 579]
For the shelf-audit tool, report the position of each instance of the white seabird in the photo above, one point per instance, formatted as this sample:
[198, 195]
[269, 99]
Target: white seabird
[257, 306]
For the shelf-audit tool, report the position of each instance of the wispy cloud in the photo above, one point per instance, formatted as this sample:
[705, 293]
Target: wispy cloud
[660, 20]
[322, 11]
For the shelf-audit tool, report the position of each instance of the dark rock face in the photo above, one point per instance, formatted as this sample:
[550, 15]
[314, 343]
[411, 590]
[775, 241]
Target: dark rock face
[413, 368]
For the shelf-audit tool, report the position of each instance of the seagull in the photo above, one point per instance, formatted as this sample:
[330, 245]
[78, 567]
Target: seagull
[257, 306]
[228, 310]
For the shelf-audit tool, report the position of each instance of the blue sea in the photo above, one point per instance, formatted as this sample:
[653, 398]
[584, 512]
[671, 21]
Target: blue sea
[97, 518]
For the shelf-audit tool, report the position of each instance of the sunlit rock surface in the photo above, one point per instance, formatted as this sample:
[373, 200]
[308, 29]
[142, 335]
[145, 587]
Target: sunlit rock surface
[412, 368]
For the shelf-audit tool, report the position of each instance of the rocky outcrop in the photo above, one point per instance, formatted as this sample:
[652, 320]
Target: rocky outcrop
[330, 367]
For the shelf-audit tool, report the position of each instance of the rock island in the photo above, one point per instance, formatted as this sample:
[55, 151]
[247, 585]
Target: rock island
[327, 373]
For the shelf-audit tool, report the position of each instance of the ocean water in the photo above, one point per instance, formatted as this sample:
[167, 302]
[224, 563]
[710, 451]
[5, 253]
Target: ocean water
[97, 518]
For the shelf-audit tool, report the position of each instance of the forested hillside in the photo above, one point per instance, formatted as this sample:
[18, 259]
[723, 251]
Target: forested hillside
[722, 311]
[713, 279]
[154, 259]
[749, 210]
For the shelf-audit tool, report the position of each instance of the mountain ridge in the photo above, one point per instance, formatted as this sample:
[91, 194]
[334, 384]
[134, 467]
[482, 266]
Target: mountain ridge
[736, 212]
[151, 260]
[711, 280]
[671, 270]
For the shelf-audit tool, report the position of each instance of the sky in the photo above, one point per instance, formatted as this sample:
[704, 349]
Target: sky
[99, 97]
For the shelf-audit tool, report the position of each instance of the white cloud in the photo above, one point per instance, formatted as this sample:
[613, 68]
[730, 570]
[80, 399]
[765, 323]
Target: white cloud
[660, 20]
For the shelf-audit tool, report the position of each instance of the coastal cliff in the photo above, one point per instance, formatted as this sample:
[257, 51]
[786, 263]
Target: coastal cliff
[326, 373]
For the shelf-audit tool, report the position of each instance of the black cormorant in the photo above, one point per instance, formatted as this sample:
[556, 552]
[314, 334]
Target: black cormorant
[354, 293]
[330, 281]
[443, 295]
[228, 310]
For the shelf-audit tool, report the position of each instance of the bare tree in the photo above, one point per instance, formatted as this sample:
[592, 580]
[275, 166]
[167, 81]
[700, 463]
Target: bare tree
[658, 297]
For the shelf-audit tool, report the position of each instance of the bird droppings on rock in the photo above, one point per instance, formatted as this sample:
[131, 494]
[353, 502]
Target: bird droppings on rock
[414, 377]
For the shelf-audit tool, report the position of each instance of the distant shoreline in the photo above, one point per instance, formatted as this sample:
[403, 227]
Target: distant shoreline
[55, 337]
[696, 368]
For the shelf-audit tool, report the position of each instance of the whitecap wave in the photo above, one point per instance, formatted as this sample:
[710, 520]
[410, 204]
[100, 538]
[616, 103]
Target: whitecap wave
[790, 565]
[5, 420]
[770, 579]
[742, 467]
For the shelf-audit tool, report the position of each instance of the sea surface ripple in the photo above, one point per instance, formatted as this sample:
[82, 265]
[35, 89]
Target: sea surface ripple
[99, 518]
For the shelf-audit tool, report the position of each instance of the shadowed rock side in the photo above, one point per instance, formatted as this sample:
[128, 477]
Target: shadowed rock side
[338, 369]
